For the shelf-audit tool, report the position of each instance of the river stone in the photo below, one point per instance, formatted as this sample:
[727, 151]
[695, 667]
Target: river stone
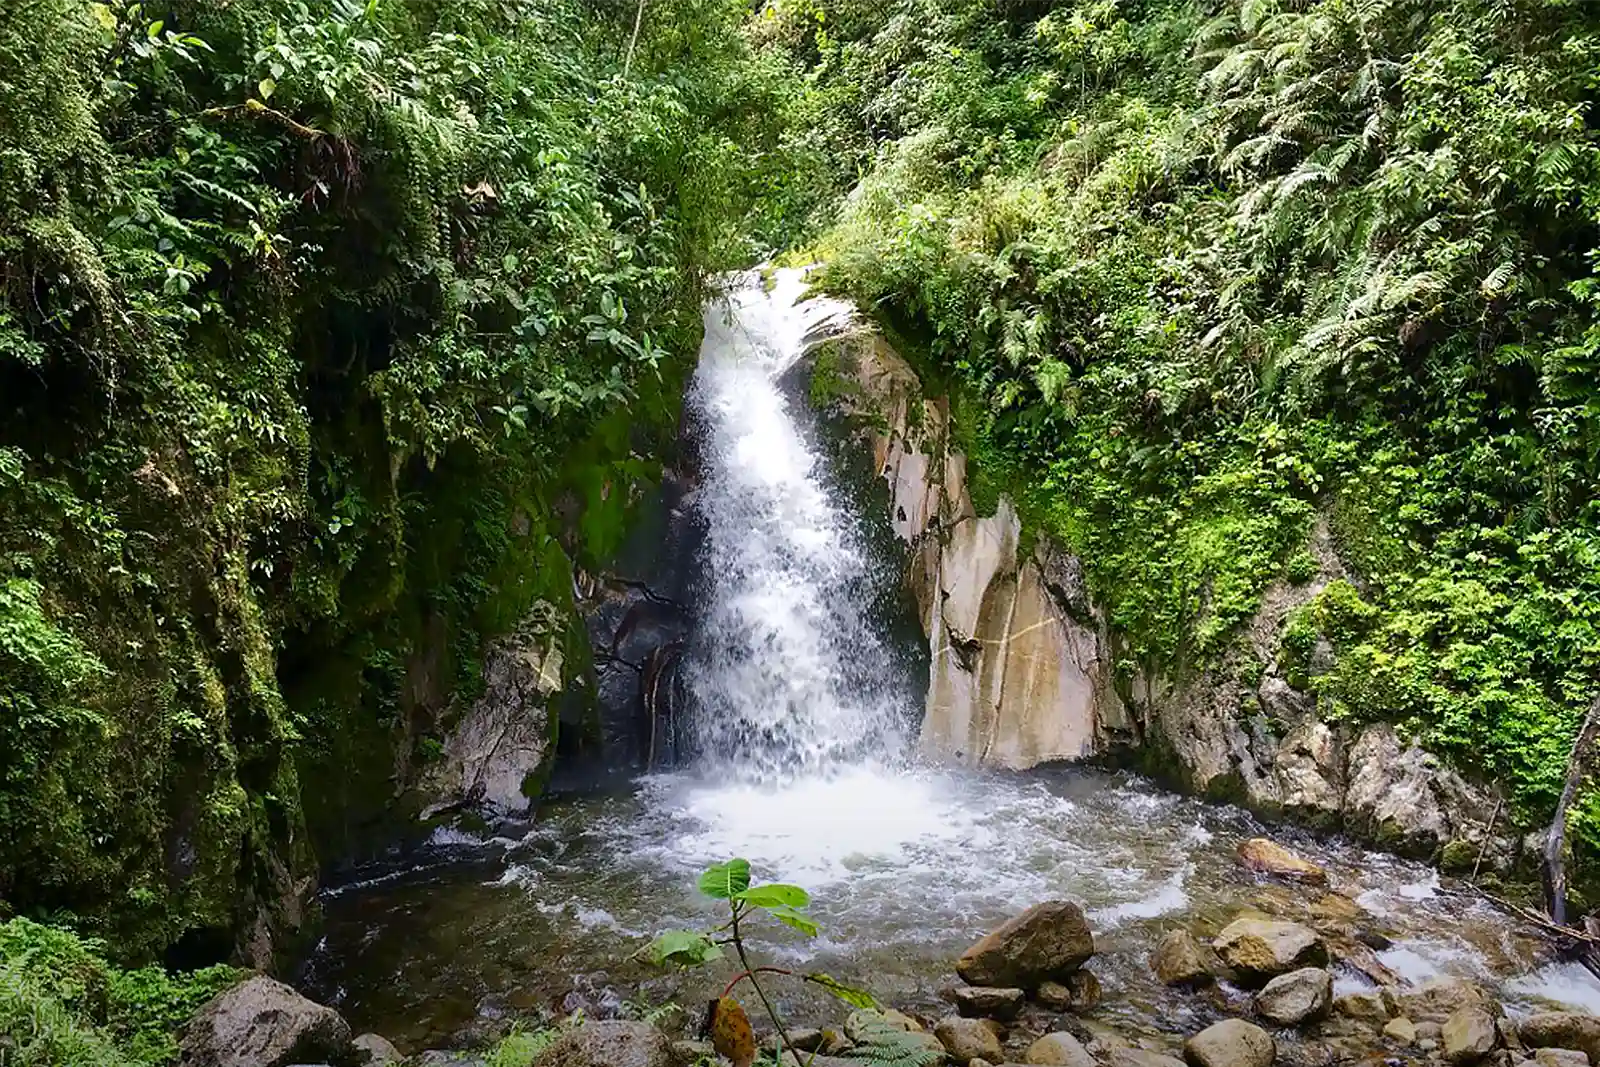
[1469, 1036]
[1259, 949]
[968, 1039]
[1299, 996]
[1180, 959]
[1364, 1007]
[263, 1023]
[377, 1049]
[1061, 1049]
[1560, 1057]
[1080, 992]
[1562, 1029]
[609, 1044]
[1402, 1030]
[988, 1002]
[856, 1022]
[1048, 941]
[1138, 1057]
[1436, 1000]
[802, 1038]
[1231, 1043]
[1268, 857]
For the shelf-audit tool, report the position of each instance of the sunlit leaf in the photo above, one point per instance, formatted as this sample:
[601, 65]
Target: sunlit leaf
[775, 894]
[857, 998]
[795, 918]
[726, 880]
[680, 948]
[266, 87]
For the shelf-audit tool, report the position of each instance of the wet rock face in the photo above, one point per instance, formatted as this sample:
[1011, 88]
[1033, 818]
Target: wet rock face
[988, 1002]
[1269, 857]
[1022, 654]
[498, 755]
[263, 1023]
[1261, 949]
[1180, 959]
[1047, 942]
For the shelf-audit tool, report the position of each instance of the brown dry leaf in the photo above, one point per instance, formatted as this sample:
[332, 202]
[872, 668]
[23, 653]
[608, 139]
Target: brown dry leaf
[731, 1034]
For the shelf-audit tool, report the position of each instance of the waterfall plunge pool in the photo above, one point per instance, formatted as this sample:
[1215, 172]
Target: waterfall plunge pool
[802, 717]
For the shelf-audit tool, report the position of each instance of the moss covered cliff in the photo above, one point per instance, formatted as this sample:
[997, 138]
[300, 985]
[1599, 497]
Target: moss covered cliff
[331, 334]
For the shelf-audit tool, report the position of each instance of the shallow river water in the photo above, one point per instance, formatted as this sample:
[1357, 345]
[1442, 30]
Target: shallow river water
[803, 716]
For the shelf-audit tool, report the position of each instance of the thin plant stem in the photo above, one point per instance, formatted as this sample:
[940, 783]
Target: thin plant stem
[750, 973]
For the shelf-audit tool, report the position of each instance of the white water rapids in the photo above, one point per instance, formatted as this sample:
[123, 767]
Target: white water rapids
[802, 720]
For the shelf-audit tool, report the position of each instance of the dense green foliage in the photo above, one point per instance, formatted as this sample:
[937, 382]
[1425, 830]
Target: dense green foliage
[1209, 272]
[331, 332]
[62, 1003]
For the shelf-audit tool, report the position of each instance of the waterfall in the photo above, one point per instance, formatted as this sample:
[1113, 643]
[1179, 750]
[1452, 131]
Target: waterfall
[788, 672]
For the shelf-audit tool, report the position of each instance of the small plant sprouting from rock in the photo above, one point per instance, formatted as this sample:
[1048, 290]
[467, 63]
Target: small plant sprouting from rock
[726, 1020]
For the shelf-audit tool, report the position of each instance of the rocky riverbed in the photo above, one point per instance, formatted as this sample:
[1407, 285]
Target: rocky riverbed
[1298, 972]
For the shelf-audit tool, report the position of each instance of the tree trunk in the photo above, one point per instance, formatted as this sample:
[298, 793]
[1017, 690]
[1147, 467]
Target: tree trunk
[1555, 839]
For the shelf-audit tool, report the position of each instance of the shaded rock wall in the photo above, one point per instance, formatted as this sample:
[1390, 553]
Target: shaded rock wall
[1023, 658]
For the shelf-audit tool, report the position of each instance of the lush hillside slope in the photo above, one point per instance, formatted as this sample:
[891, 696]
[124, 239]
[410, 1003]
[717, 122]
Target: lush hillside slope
[1207, 271]
[322, 326]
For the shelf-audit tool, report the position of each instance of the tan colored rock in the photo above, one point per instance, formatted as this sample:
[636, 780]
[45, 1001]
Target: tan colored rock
[263, 1023]
[1436, 1000]
[1080, 992]
[1180, 959]
[1402, 1030]
[1371, 1008]
[1560, 1057]
[968, 1039]
[1336, 907]
[1297, 997]
[1048, 941]
[1259, 949]
[1060, 1049]
[988, 1002]
[377, 1050]
[1231, 1043]
[1562, 1029]
[1469, 1035]
[1268, 857]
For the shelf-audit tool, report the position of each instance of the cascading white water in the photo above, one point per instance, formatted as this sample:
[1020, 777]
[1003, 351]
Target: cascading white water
[789, 674]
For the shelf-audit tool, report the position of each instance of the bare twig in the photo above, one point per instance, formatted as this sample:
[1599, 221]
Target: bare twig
[633, 42]
[1488, 835]
[256, 109]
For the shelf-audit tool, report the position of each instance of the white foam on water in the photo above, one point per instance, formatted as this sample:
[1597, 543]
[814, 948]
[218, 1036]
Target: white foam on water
[1567, 984]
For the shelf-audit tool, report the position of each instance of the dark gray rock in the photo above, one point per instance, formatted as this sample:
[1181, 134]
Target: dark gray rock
[264, 1023]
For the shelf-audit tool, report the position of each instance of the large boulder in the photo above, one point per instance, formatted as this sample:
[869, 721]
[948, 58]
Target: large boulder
[1562, 1029]
[1180, 959]
[968, 1039]
[1469, 1036]
[1231, 1043]
[1297, 997]
[1438, 999]
[377, 1050]
[988, 1002]
[1268, 857]
[500, 752]
[1048, 941]
[264, 1023]
[1260, 949]
[1060, 1049]
[610, 1044]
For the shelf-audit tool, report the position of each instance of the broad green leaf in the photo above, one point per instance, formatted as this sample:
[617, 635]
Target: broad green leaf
[795, 918]
[726, 880]
[266, 88]
[683, 948]
[856, 998]
[775, 894]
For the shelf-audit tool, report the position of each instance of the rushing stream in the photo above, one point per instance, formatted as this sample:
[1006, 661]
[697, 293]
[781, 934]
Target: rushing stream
[802, 716]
